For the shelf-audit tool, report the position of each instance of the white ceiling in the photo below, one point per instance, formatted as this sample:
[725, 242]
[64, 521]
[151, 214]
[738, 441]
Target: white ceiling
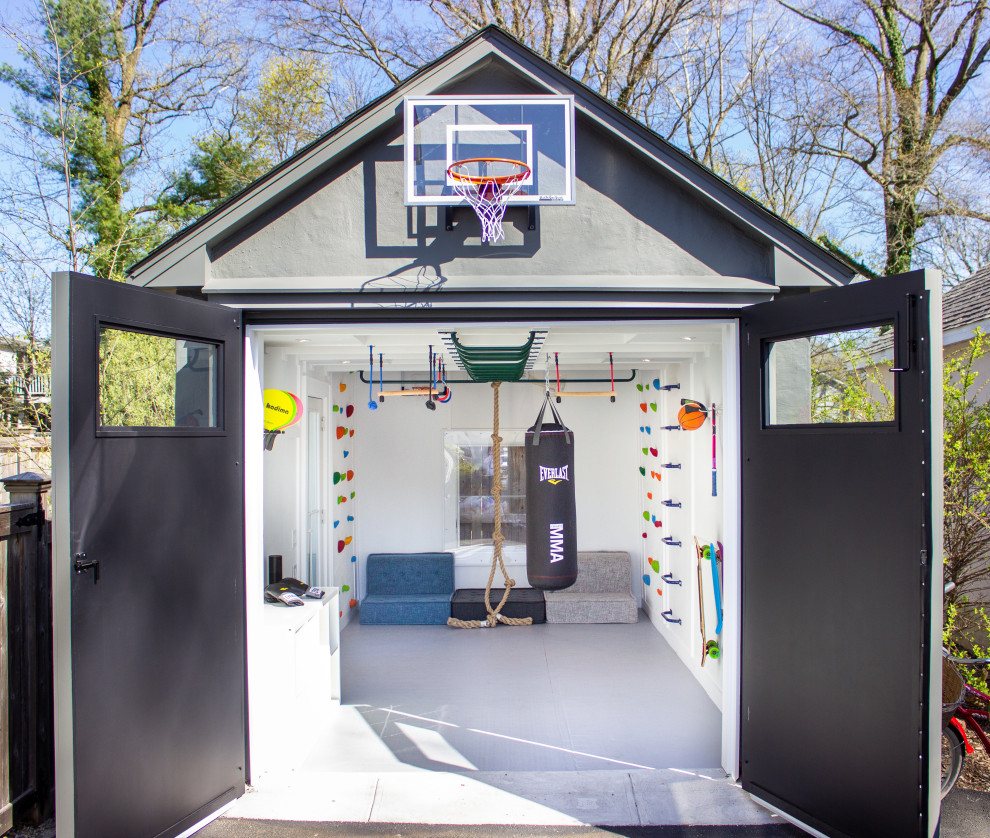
[578, 346]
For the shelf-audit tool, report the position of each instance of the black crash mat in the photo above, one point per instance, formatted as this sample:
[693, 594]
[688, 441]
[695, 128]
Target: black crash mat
[469, 604]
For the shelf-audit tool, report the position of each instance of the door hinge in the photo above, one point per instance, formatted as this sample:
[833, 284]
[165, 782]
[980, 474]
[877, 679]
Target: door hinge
[35, 519]
[323, 424]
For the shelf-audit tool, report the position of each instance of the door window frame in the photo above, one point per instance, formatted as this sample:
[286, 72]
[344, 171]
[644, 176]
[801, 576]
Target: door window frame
[139, 327]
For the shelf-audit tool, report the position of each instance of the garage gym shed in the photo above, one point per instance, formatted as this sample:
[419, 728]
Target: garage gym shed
[750, 555]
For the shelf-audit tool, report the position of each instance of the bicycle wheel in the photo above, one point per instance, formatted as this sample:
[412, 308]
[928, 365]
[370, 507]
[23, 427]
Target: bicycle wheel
[953, 755]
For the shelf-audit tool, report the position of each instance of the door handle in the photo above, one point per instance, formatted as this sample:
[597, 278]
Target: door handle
[902, 349]
[82, 565]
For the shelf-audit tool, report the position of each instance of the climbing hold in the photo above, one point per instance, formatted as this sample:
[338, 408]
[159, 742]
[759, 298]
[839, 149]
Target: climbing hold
[642, 406]
[353, 558]
[353, 494]
[642, 471]
[653, 406]
[336, 524]
[345, 587]
[350, 517]
[646, 516]
[337, 477]
[346, 453]
[646, 579]
[649, 495]
[656, 383]
[341, 431]
[351, 432]
[352, 603]
[655, 565]
[350, 411]
[350, 474]
[644, 429]
[654, 452]
[341, 499]
[342, 386]
[645, 535]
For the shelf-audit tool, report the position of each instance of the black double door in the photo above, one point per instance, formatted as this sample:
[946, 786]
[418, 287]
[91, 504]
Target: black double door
[837, 554]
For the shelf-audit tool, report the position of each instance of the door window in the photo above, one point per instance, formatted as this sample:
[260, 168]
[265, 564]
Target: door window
[833, 378]
[155, 381]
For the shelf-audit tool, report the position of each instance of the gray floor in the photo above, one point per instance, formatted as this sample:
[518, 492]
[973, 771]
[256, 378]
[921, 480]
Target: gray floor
[535, 698]
[541, 726]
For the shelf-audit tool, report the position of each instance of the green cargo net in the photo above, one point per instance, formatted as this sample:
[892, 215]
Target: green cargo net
[495, 363]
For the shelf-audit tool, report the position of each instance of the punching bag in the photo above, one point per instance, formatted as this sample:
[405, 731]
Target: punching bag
[551, 514]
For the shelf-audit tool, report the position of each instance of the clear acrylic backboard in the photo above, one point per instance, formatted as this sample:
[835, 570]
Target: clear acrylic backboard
[535, 130]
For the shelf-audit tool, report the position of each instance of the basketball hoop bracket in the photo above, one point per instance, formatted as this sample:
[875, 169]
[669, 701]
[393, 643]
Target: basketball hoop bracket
[534, 218]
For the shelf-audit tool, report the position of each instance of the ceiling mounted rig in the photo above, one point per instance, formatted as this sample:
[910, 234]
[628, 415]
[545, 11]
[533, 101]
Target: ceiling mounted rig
[495, 363]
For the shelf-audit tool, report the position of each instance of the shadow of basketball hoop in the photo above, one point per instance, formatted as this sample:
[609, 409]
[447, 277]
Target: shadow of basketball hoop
[422, 282]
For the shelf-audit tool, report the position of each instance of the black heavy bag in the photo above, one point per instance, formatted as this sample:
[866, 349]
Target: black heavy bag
[551, 515]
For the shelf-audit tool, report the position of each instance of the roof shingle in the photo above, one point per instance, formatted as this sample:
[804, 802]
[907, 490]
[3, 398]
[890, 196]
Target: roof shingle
[968, 302]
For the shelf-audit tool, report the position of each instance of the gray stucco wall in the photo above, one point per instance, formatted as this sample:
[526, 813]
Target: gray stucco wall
[629, 221]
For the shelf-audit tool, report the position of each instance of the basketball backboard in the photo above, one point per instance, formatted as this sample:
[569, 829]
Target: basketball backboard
[535, 130]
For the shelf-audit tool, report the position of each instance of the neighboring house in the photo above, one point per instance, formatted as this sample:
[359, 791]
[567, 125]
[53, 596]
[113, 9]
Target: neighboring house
[29, 387]
[965, 309]
[8, 359]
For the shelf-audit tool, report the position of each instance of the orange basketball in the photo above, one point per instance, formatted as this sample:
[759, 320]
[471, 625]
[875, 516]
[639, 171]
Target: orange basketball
[691, 417]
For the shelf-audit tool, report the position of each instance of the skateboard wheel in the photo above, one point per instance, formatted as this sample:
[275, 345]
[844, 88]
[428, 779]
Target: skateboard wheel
[712, 649]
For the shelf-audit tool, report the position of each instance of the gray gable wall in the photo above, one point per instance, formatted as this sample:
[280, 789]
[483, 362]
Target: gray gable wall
[349, 227]
[333, 219]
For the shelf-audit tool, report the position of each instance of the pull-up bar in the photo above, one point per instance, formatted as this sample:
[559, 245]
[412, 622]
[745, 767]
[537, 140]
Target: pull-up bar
[593, 394]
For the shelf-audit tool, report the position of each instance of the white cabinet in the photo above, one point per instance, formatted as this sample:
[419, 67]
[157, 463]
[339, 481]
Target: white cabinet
[301, 654]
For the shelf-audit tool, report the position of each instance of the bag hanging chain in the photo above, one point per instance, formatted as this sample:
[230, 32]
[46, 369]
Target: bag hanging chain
[495, 615]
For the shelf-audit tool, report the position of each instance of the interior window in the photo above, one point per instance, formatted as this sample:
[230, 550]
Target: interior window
[152, 381]
[468, 488]
[834, 378]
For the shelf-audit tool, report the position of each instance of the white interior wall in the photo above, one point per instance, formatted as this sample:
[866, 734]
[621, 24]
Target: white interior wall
[700, 515]
[346, 391]
[400, 451]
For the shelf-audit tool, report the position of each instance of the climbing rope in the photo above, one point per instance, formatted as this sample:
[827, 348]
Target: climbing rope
[494, 614]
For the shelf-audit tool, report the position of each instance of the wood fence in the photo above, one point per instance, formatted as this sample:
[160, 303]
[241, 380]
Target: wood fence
[27, 752]
[28, 451]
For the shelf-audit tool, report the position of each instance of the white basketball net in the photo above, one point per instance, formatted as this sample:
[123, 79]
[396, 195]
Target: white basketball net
[488, 193]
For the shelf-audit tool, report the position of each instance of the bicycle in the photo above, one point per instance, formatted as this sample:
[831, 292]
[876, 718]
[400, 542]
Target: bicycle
[966, 707]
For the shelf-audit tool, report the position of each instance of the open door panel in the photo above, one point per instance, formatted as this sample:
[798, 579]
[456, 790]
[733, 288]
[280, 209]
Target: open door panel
[149, 559]
[841, 537]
